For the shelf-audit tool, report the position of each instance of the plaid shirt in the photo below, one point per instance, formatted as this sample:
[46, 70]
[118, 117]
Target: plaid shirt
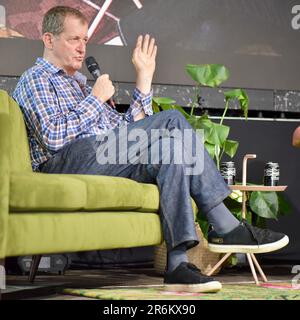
[59, 108]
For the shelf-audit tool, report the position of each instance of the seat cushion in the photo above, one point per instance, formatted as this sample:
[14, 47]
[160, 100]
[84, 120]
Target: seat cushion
[150, 196]
[116, 193]
[51, 232]
[41, 192]
[73, 192]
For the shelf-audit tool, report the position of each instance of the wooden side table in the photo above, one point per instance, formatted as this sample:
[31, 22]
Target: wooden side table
[244, 188]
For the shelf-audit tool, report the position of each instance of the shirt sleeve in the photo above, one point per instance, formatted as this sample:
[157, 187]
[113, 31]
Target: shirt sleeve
[44, 117]
[140, 102]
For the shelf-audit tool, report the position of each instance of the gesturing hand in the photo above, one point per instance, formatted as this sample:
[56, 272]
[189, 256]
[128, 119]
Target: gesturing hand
[143, 59]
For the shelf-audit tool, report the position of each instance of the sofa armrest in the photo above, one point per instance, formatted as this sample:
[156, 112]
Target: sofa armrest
[4, 171]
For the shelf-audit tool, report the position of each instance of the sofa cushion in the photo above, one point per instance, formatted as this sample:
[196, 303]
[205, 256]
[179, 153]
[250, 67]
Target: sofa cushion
[49, 232]
[116, 193]
[74, 192]
[41, 192]
[151, 197]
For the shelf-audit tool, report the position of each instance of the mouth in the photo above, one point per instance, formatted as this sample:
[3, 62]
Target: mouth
[80, 59]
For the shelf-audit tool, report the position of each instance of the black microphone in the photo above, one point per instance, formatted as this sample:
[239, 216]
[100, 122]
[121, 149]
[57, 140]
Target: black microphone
[94, 70]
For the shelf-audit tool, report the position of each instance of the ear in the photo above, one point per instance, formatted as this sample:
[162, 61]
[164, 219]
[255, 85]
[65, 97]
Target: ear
[48, 40]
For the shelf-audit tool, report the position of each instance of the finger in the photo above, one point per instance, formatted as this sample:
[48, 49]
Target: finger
[151, 46]
[139, 41]
[154, 52]
[136, 53]
[145, 43]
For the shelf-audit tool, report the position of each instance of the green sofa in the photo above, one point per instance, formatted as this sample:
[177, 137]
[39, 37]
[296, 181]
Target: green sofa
[51, 213]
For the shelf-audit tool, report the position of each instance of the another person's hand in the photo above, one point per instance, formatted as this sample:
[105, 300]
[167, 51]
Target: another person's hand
[103, 88]
[296, 137]
[143, 59]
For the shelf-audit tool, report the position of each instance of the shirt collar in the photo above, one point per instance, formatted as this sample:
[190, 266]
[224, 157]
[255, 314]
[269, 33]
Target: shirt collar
[55, 70]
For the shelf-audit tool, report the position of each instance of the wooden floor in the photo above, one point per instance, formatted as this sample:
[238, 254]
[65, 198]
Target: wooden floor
[49, 286]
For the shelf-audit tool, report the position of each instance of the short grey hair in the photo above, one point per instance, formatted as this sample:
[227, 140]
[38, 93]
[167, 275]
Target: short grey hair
[54, 18]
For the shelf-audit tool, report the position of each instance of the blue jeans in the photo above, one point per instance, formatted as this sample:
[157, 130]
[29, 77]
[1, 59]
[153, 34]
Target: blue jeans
[176, 188]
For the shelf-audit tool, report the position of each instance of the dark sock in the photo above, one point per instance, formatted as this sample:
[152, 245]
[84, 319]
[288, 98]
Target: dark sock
[176, 256]
[221, 219]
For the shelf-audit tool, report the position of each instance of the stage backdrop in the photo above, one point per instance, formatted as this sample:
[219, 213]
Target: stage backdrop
[257, 40]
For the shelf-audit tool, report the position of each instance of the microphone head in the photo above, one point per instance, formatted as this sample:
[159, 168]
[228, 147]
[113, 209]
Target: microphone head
[92, 65]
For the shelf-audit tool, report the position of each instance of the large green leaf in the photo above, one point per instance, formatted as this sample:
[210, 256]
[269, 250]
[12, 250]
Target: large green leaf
[210, 149]
[211, 75]
[162, 103]
[206, 125]
[264, 204]
[195, 122]
[163, 100]
[241, 96]
[230, 147]
[218, 134]
[166, 107]
[201, 123]
[155, 107]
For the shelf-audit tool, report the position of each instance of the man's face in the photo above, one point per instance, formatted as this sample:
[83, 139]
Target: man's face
[69, 47]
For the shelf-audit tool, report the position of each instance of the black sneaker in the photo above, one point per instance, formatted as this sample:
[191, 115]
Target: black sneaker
[187, 277]
[246, 238]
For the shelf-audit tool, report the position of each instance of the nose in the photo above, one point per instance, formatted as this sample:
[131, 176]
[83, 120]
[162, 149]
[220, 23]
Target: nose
[81, 46]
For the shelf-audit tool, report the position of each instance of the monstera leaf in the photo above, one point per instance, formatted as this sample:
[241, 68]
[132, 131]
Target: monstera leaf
[211, 75]
[218, 134]
[230, 147]
[163, 100]
[242, 98]
[264, 204]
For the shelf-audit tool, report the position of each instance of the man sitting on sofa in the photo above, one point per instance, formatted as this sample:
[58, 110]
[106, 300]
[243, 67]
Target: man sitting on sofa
[65, 118]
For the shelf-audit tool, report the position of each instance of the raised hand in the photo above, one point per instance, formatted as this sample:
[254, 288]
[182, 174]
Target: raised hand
[144, 61]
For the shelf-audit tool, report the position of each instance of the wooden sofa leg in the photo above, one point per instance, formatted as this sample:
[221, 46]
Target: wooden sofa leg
[34, 267]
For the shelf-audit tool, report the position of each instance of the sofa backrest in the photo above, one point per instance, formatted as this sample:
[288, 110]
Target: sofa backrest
[19, 154]
[4, 173]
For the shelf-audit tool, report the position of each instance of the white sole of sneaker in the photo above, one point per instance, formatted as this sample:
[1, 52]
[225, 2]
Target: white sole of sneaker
[212, 286]
[250, 249]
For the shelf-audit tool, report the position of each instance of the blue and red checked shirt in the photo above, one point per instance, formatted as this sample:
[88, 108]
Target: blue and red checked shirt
[59, 108]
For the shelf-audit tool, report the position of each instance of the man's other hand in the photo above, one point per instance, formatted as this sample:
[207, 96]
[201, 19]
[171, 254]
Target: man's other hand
[143, 59]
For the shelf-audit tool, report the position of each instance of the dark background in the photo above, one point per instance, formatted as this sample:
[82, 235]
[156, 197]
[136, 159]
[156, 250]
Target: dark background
[271, 141]
[254, 39]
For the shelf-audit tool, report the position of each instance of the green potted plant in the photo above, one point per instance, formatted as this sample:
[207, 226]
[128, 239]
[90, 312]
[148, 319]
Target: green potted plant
[215, 134]
[264, 205]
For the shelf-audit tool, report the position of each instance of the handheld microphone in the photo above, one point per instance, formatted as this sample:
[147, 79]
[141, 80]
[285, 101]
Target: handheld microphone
[94, 70]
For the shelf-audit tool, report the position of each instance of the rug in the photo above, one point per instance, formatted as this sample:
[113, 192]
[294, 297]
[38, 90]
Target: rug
[267, 291]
